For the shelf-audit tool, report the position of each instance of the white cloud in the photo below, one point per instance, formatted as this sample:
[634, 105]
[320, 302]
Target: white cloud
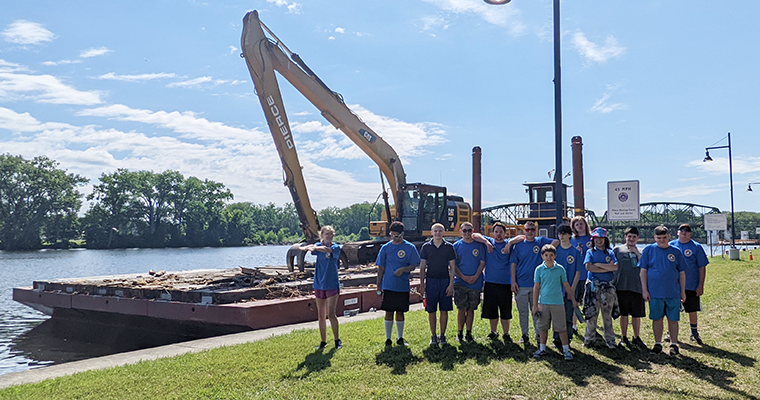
[592, 52]
[688, 192]
[62, 62]
[331, 38]
[719, 165]
[25, 32]
[340, 30]
[505, 16]
[292, 6]
[233, 49]
[135, 78]
[42, 89]
[191, 82]
[93, 52]
[604, 106]
[430, 23]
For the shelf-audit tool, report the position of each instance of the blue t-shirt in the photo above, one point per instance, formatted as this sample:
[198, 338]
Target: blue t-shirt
[663, 269]
[469, 256]
[527, 256]
[569, 258]
[326, 268]
[695, 258]
[395, 256]
[603, 257]
[586, 243]
[498, 268]
[550, 279]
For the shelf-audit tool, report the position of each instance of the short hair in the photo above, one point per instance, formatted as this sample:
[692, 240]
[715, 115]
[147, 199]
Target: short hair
[564, 228]
[661, 230]
[632, 229]
[572, 226]
[499, 224]
[326, 228]
[465, 223]
[438, 225]
[397, 226]
[548, 249]
[529, 223]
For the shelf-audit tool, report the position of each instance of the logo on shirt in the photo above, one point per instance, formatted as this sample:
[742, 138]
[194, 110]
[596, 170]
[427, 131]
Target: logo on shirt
[475, 252]
[570, 260]
[536, 249]
[608, 259]
[671, 258]
[401, 254]
[687, 252]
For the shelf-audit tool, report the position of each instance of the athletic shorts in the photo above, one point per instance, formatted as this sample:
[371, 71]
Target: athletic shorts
[435, 293]
[552, 313]
[692, 303]
[466, 298]
[497, 301]
[324, 294]
[659, 308]
[631, 303]
[395, 301]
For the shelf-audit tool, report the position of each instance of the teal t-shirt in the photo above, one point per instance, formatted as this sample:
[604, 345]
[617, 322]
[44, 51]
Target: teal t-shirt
[551, 280]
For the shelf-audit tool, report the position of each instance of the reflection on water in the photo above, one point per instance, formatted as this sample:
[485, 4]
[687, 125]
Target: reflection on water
[26, 342]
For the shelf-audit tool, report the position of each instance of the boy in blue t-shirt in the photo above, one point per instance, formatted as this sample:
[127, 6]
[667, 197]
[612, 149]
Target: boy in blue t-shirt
[398, 258]
[696, 261]
[663, 285]
[600, 295]
[468, 282]
[525, 257]
[549, 280]
[569, 257]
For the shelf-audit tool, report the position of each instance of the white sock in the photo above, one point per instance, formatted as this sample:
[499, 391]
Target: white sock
[542, 346]
[388, 329]
[566, 347]
[400, 328]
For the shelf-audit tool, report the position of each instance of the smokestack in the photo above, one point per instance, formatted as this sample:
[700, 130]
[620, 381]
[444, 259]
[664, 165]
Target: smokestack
[476, 190]
[579, 201]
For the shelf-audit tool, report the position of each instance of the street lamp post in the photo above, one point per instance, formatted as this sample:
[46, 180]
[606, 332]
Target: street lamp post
[559, 192]
[733, 253]
[749, 186]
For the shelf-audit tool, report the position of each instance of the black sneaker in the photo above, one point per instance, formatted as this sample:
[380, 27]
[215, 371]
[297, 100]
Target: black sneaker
[625, 341]
[638, 342]
[695, 338]
[674, 350]
[442, 340]
[388, 343]
[321, 346]
[656, 349]
[507, 338]
[401, 342]
[338, 344]
[524, 340]
[434, 340]
[493, 336]
[460, 337]
[468, 337]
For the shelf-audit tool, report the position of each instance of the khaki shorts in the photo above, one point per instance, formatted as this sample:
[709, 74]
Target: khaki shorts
[552, 313]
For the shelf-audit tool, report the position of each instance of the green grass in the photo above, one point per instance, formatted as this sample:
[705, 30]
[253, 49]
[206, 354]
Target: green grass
[286, 366]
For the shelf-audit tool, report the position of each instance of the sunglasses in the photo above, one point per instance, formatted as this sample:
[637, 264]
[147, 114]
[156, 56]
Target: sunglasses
[466, 230]
[530, 229]
[685, 230]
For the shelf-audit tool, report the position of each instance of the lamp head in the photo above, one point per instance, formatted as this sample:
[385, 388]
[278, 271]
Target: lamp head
[497, 2]
[749, 187]
[707, 156]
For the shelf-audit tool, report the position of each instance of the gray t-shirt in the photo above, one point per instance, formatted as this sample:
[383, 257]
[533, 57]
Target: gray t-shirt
[627, 276]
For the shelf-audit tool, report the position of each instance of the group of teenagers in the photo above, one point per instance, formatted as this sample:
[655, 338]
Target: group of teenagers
[550, 279]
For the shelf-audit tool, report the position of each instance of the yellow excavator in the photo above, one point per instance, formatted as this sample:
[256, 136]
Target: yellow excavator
[417, 205]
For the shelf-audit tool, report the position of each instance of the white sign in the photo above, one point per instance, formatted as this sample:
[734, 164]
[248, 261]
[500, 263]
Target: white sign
[745, 235]
[757, 231]
[715, 222]
[623, 201]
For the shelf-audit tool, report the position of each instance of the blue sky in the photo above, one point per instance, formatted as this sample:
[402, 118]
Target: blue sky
[160, 85]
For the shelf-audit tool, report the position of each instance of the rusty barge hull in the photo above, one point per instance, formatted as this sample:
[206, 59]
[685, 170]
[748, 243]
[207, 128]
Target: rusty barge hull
[190, 308]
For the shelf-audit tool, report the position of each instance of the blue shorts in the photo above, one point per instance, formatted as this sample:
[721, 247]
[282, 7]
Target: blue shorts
[659, 308]
[435, 293]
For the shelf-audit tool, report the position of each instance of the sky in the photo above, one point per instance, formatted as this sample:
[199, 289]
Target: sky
[160, 85]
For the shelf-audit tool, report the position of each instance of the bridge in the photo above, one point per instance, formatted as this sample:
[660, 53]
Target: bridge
[670, 214]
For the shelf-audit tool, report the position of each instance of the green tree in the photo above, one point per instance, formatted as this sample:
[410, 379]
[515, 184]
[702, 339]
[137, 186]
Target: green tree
[38, 201]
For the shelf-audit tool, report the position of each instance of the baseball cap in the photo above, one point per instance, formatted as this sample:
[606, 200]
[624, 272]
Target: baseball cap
[599, 232]
[684, 227]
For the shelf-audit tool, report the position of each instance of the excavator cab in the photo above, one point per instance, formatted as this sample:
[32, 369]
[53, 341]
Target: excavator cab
[423, 205]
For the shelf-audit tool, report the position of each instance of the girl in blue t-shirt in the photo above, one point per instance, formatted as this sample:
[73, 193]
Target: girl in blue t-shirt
[326, 284]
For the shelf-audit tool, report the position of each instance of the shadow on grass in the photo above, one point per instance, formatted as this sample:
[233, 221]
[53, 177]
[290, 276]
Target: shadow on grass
[583, 366]
[740, 359]
[316, 361]
[398, 358]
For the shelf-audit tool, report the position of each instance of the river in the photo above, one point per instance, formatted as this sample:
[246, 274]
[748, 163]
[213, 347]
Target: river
[20, 350]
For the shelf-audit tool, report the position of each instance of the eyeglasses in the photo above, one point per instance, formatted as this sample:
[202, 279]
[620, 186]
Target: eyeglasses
[466, 230]
[530, 229]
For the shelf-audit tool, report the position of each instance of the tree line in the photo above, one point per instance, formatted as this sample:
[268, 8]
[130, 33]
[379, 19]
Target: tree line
[40, 205]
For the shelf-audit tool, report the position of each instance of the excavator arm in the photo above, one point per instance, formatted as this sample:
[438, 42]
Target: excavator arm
[264, 56]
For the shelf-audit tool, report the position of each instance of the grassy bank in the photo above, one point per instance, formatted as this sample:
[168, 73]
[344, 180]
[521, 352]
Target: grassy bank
[286, 367]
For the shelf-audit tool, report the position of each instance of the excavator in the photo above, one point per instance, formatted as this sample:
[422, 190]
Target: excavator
[417, 205]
